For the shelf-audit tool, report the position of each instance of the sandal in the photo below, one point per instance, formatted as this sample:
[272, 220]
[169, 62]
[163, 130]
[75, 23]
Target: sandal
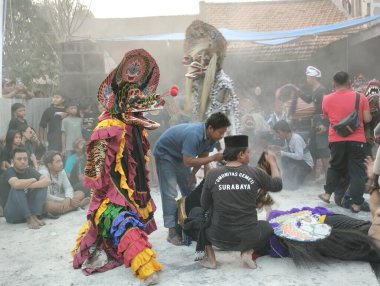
[323, 199]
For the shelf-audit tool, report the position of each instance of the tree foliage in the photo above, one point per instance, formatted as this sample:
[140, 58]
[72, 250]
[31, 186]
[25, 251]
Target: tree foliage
[29, 44]
[33, 31]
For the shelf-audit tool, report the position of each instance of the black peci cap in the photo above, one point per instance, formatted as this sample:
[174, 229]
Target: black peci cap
[236, 141]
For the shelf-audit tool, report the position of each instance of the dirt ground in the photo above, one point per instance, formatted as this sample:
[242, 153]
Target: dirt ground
[42, 257]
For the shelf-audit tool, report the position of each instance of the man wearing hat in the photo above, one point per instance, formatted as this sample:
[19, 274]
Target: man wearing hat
[230, 192]
[318, 136]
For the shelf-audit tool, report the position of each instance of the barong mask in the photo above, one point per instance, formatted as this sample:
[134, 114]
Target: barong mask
[205, 49]
[300, 226]
[130, 89]
[360, 84]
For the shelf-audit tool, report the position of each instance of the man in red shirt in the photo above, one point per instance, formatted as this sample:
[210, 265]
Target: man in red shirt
[347, 153]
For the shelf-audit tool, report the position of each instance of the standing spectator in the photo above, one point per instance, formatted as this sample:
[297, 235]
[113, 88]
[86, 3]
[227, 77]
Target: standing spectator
[278, 114]
[12, 90]
[27, 191]
[89, 117]
[52, 120]
[319, 124]
[347, 153]
[61, 197]
[71, 128]
[18, 120]
[296, 160]
[13, 140]
[177, 150]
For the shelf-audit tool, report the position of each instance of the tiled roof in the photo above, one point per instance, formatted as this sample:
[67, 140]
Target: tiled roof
[274, 16]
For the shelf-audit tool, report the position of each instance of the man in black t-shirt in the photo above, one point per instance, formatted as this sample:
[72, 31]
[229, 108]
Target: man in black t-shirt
[52, 120]
[27, 191]
[231, 192]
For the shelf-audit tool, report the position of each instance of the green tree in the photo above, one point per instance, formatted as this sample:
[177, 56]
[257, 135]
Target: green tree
[29, 49]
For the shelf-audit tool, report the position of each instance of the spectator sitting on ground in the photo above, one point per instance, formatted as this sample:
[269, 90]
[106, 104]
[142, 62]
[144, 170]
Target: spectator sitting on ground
[61, 197]
[13, 140]
[27, 135]
[79, 152]
[52, 120]
[18, 120]
[12, 90]
[77, 174]
[27, 191]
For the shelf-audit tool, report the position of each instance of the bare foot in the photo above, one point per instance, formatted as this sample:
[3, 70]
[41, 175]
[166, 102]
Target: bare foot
[151, 279]
[32, 224]
[207, 264]
[40, 222]
[246, 257]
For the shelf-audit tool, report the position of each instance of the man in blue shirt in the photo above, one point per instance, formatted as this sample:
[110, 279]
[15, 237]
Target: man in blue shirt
[177, 150]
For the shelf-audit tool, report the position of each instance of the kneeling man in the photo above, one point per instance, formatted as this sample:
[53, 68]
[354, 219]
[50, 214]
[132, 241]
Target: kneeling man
[230, 192]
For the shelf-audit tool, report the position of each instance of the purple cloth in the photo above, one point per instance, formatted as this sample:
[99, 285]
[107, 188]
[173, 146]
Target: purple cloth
[276, 248]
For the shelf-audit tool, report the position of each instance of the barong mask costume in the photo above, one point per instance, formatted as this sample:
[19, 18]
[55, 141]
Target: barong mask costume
[120, 215]
[311, 235]
[208, 88]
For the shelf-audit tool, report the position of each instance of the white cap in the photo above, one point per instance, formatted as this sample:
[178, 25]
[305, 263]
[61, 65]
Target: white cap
[313, 71]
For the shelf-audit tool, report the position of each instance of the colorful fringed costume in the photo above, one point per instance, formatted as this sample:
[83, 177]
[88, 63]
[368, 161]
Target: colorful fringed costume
[120, 215]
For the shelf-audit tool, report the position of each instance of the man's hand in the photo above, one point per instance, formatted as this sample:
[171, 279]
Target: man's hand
[192, 180]
[321, 129]
[75, 203]
[66, 204]
[271, 157]
[218, 156]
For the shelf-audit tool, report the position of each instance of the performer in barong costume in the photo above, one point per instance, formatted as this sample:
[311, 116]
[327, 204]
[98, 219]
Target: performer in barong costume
[208, 88]
[228, 220]
[120, 215]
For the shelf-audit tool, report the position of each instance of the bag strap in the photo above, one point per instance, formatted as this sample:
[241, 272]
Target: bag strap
[357, 102]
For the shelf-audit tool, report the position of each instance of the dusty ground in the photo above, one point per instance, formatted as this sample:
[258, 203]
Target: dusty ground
[42, 257]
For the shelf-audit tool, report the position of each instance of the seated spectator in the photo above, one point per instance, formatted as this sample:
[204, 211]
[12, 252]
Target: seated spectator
[61, 197]
[13, 140]
[79, 151]
[18, 120]
[76, 175]
[296, 160]
[27, 191]
[12, 90]
[27, 135]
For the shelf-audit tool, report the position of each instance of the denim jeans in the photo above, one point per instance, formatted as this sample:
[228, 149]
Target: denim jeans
[21, 204]
[347, 157]
[171, 173]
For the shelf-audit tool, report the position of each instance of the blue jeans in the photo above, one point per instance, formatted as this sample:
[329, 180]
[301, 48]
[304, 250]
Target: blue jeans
[170, 174]
[21, 205]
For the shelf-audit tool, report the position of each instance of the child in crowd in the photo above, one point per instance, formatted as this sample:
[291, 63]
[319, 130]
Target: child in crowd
[18, 120]
[89, 117]
[52, 120]
[79, 151]
[71, 128]
[13, 140]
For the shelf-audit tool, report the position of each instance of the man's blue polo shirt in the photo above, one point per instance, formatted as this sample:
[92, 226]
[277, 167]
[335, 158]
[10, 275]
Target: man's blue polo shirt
[183, 139]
